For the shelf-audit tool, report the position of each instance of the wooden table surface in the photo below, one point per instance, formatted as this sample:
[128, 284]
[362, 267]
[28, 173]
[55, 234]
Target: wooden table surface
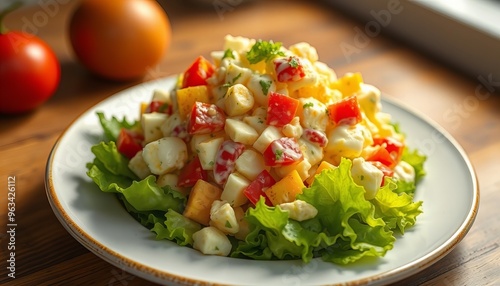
[47, 254]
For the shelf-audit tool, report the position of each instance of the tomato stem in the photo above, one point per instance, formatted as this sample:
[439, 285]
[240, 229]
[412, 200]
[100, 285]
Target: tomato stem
[4, 13]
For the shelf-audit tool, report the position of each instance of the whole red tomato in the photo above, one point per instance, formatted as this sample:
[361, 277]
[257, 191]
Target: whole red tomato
[119, 39]
[29, 72]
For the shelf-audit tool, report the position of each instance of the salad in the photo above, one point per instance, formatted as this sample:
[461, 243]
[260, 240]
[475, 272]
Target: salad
[263, 152]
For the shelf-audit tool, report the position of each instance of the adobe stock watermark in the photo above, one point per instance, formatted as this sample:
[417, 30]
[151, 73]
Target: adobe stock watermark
[372, 29]
[31, 25]
[457, 113]
[120, 277]
[223, 6]
[463, 110]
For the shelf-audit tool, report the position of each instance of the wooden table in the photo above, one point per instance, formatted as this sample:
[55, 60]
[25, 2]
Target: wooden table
[47, 254]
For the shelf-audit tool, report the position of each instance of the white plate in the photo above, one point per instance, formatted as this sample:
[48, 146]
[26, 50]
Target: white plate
[98, 221]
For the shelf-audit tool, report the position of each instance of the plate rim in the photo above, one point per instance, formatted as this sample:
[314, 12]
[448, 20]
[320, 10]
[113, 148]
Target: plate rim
[161, 276]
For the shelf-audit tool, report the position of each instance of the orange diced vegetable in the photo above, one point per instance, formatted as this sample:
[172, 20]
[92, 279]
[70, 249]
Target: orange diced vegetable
[200, 201]
[285, 190]
[186, 97]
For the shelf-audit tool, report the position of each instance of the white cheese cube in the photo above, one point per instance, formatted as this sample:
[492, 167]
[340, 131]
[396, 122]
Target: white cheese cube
[313, 153]
[222, 217]
[138, 166]
[256, 122]
[238, 100]
[260, 85]
[346, 141]
[236, 74]
[299, 210]
[313, 114]
[207, 151]
[250, 164]
[267, 136]
[170, 124]
[404, 172]
[234, 188]
[304, 50]
[240, 132]
[161, 95]
[210, 240]
[293, 129]
[151, 125]
[197, 139]
[238, 44]
[366, 175]
[302, 168]
[165, 155]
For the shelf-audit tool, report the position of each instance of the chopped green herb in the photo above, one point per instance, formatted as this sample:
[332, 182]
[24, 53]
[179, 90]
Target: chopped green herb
[228, 84]
[309, 104]
[228, 224]
[228, 53]
[264, 51]
[236, 78]
[265, 85]
[278, 154]
[293, 61]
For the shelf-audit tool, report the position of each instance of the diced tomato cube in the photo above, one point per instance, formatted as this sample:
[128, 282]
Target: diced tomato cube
[382, 155]
[198, 73]
[315, 136]
[206, 118]
[283, 151]
[392, 145]
[257, 188]
[345, 111]
[159, 106]
[289, 69]
[129, 142]
[225, 161]
[281, 109]
[191, 173]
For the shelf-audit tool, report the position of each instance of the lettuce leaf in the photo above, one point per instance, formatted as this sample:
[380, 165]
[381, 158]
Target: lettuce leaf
[177, 228]
[113, 126]
[397, 209]
[344, 212]
[111, 160]
[416, 159]
[110, 172]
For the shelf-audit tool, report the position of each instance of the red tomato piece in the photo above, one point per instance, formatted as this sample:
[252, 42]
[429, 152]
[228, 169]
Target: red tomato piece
[388, 172]
[281, 109]
[129, 142]
[29, 72]
[198, 73]
[159, 106]
[206, 118]
[392, 145]
[225, 160]
[383, 156]
[257, 187]
[289, 69]
[315, 136]
[191, 173]
[283, 151]
[345, 111]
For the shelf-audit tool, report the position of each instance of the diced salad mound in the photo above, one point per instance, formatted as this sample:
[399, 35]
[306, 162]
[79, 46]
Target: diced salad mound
[263, 152]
